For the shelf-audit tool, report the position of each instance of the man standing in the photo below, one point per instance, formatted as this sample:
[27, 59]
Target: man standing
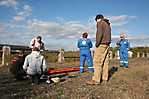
[35, 65]
[101, 57]
[84, 44]
[37, 42]
[123, 45]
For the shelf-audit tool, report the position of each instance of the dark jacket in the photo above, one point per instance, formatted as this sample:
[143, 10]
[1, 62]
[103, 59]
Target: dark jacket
[16, 67]
[103, 33]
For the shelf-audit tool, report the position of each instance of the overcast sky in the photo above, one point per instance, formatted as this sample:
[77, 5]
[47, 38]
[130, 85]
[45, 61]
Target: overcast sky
[61, 22]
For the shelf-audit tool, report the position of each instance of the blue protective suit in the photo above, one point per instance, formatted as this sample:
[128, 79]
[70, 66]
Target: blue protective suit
[123, 45]
[84, 45]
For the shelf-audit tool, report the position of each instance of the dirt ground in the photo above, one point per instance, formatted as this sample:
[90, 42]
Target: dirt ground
[131, 83]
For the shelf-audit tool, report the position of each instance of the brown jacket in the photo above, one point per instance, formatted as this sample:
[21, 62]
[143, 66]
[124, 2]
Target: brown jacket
[103, 33]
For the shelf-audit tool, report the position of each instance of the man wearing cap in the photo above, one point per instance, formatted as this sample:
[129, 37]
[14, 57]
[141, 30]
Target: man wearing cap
[84, 44]
[101, 57]
[123, 45]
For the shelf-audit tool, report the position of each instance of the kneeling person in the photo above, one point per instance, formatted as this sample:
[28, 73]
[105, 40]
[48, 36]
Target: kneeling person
[84, 44]
[35, 65]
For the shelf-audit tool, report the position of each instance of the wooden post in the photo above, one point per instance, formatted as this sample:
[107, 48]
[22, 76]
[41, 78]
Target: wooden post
[130, 53]
[138, 55]
[117, 56]
[6, 55]
[143, 54]
[147, 55]
[61, 56]
[92, 53]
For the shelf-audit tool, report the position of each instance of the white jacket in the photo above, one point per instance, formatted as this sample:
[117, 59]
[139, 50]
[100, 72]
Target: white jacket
[34, 63]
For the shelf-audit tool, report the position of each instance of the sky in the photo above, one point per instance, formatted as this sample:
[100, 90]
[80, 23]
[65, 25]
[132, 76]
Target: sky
[61, 22]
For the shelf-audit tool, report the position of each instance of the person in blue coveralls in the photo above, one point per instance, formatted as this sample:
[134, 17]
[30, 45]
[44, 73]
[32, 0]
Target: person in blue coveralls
[84, 44]
[123, 45]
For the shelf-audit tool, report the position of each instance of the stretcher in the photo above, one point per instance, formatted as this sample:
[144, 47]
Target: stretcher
[62, 70]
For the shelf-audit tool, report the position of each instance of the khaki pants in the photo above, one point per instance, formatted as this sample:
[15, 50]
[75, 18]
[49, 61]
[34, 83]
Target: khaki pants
[101, 63]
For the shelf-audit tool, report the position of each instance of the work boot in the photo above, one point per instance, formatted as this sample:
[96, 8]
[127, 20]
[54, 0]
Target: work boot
[104, 82]
[91, 70]
[81, 70]
[48, 81]
[92, 82]
[121, 65]
[126, 67]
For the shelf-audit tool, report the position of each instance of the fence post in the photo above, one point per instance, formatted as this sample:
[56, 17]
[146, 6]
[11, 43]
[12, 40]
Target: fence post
[117, 55]
[130, 53]
[138, 55]
[143, 54]
[61, 58]
[147, 55]
[6, 55]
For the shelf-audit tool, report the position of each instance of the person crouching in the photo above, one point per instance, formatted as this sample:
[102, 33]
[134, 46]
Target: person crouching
[35, 65]
[84, 44]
